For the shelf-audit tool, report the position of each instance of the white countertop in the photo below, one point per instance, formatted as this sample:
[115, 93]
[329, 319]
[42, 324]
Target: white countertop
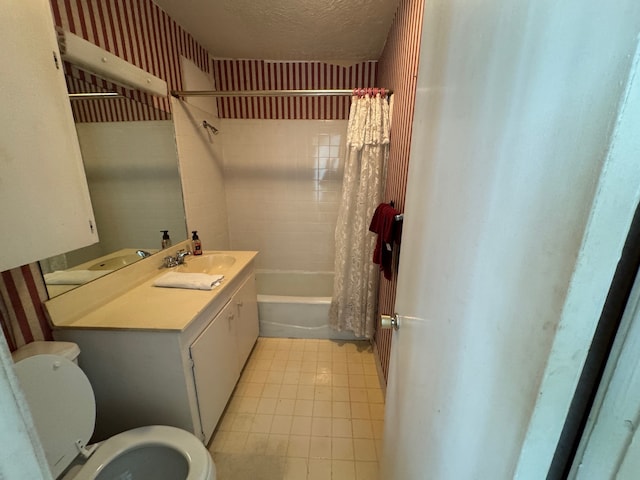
[145, 307]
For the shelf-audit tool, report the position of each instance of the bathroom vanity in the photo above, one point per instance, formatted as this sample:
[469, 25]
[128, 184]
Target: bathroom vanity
[165, 356]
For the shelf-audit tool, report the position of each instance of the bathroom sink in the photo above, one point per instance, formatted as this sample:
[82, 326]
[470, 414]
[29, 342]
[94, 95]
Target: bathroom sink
[207, 263]
[115, 262]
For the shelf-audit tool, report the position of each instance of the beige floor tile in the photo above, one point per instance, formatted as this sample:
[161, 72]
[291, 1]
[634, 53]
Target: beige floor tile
[291, 378]
[308, 356]
[234, 442]
[242, 422]
[341, 427]
[303, 407]
[295, 355]
[309, 366]
[340, 380]
[358, 395]
[377, 411]
[310, 406]
[379, 446]
[374, 395]
[247, 404]
[341, 448]
[367, 471]
[298, 446]
[275, 376]
[294, 365]
[307, 378]
[321, 408]
[324, 367]
[340, 394]
[340, 409]
[322, 393]
[266, 405]
[319, 469]
[343, 470]
[357, 381]
[360, 410]
[372, 381]
[362, 428]
[296, 468]
[252, 389]
[281, 424]
[226, 421]
[301, 426]
[364, 449]
[340, 367]
[271, 390]
[262, 423]
[370, 368]
[320, 447]
[259, 376]
[256, 443]
[378, 428]
[355, 369]
[323, 379]
[321, 427]
[217, 444]
[277, 445]
[285, 406]
[306, 392]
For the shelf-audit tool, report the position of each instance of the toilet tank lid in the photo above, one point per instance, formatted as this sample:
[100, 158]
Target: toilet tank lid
[68, 350]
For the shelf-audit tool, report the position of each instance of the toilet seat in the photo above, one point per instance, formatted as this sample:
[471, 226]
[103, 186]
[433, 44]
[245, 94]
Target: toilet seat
[62, 404]
[183, 442]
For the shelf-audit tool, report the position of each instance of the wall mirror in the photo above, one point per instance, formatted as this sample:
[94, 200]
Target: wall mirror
[134, 183]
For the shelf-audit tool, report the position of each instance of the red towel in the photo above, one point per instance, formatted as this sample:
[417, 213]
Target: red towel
[388, 229]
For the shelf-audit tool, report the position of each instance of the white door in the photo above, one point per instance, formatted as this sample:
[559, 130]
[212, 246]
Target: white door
[518, 203]
[610, 447]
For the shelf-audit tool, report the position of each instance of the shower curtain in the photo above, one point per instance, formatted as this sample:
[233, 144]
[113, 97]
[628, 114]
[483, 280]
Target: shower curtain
[355, 291]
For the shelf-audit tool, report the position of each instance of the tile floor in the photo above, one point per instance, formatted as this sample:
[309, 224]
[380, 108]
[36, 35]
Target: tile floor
[303, 410]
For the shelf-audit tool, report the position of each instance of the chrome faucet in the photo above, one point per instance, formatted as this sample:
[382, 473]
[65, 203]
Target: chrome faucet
[143, 253]
[180, 254]
[169, 261]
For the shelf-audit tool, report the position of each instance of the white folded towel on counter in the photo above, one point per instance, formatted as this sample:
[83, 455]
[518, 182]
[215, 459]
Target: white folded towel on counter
[194, 281]
[73, 277]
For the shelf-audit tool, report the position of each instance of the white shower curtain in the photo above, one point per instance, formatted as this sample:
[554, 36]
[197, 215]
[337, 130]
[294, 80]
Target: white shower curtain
[355, 291]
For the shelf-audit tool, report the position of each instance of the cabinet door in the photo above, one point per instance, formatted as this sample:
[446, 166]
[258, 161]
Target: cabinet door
[46, 208]
[215, 367]
[246, 302]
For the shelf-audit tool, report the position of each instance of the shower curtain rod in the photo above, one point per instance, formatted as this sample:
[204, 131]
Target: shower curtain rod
[268, 93]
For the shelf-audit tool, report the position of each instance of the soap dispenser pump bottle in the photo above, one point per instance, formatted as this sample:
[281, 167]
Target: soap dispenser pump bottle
[196, 244]
[166, 241]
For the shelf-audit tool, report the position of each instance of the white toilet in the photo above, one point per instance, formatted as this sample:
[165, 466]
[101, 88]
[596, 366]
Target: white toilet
[62, 404]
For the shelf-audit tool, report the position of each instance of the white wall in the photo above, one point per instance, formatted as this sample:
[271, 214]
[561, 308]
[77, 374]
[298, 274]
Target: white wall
[516, 104]
[283, 183]
[201, 165]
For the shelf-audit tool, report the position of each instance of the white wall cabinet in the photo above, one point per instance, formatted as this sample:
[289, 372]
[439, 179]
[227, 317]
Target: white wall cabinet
[46, 209]
[180, 378]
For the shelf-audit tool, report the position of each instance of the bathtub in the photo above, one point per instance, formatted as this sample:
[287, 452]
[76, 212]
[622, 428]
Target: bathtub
[296, 304]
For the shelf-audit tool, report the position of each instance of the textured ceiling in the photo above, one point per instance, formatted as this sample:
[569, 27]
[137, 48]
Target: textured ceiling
[341, 31]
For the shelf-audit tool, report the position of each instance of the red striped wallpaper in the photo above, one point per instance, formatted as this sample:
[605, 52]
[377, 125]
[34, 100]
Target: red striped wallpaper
[137, 31]
[398, 69]
[22, 316]
[266, 75]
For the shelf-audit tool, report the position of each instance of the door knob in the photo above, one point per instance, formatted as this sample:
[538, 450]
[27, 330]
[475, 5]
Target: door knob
[389, 321]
